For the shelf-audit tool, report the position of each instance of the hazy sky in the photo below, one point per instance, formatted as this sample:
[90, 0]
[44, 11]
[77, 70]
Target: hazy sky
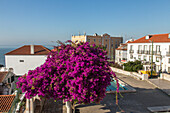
[42, 21]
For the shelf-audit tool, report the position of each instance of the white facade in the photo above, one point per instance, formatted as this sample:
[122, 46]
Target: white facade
[143, 52]
[121, 56]
[21, 64]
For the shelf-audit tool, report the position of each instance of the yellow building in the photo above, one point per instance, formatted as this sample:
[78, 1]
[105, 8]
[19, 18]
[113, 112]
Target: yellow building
[111, 43]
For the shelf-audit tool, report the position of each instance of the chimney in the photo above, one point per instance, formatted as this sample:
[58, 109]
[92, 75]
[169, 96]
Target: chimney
[95, 34]
[11, 70]
[147, 37]
[32, 49]
[84, 33]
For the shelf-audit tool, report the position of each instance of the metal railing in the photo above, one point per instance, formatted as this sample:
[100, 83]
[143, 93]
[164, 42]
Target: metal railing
[157, 53]
[140, 51]
[131, 51]
[145, 52]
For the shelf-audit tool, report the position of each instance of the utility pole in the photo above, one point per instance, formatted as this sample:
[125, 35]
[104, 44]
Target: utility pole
[152, 61]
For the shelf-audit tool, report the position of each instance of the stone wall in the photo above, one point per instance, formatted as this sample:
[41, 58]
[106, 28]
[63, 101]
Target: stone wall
[133, 74]
[165, 76]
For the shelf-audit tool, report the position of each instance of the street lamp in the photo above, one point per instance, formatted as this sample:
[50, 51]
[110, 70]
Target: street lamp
[151, 58]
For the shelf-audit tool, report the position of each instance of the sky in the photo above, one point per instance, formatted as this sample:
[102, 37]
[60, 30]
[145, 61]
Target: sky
[46, 21]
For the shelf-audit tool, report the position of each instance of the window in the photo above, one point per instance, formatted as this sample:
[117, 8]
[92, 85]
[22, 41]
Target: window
[150, 58]
[119, 53]
[150, 47]
[94, 40]
[131, 47]
[21, 60]
[116, 46]
[111, 45]
[99, 41]
[145, 47]
[158, 48]
[139, 47]
[131, 56]
[88, 40]
[106, 40]
[139, 57]
[157, 59]
[106, 45]
[144, 58]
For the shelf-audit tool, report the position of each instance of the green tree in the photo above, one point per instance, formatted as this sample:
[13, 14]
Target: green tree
[133, 66]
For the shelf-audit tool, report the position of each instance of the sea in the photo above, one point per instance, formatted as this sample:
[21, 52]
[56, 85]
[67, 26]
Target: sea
[4, 50]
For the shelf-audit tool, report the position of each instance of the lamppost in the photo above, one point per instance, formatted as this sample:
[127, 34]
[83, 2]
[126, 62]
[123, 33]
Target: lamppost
[151, 59]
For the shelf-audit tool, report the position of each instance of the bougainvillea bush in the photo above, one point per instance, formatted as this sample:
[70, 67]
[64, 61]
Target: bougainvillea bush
[78, 72]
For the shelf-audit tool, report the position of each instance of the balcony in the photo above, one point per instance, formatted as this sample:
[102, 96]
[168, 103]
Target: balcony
[145, 52]
[157, 53]
[140, 51]
[154, 52]
[131, 51]
[150, 52]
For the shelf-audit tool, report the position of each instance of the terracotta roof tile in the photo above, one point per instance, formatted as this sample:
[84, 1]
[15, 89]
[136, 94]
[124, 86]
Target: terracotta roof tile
[157, 38]
[122, 47]
[25, 50]
[6, 102]
[2, 76]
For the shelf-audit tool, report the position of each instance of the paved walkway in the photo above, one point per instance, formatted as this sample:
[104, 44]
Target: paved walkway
[146, 95]
[164, 85]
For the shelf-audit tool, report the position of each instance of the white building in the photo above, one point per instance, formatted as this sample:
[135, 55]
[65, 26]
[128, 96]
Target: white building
[141, 49]
[26, 58]
[121, 54]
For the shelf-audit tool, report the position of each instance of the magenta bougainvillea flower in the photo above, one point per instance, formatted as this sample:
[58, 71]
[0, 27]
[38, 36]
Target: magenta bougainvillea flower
[78, 72]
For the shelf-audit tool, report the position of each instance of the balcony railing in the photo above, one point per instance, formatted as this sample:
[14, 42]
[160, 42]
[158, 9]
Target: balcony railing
[145, 52]
[140, 51]
[131, 51]
[150, 52]
[157, 53]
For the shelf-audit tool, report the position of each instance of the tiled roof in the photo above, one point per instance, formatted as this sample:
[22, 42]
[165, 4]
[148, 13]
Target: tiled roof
[2, 76]
[25, 50]
[56, 48]
[122, 47]
[6, 102]
[156, 38]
